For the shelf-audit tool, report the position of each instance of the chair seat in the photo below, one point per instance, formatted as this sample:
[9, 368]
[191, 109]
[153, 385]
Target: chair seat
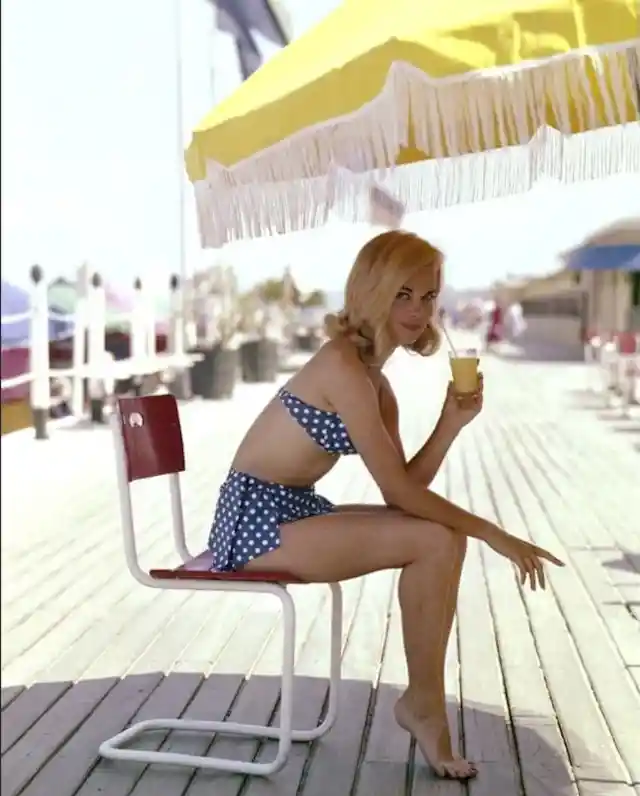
[199, 568]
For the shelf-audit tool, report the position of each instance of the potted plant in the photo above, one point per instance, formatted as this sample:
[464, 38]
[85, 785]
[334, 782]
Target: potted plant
[259, 349]
[215, 375]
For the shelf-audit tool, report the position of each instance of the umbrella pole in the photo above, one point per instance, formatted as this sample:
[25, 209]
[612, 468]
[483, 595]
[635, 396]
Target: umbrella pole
[39, 365]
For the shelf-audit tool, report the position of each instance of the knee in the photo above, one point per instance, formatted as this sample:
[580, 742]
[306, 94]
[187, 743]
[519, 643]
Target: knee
[441, 542]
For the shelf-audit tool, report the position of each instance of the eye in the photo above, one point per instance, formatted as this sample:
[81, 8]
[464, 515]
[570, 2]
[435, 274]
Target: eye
[432, 295]
[403, 295]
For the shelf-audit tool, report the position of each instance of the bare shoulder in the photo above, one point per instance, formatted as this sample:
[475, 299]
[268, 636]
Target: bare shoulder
[388, 398]
[340, 353]
[341, 360]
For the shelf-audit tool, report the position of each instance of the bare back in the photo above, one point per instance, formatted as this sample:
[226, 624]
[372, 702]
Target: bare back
[276, 448]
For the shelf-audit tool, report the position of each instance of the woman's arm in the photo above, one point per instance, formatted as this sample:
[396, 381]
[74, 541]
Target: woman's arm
[355, 399]
[425, 464]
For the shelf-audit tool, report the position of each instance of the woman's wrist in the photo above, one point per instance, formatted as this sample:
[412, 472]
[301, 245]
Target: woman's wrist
[447, 427]
[489, 531]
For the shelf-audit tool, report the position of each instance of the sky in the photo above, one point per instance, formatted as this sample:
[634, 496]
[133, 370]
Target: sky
[93, 128]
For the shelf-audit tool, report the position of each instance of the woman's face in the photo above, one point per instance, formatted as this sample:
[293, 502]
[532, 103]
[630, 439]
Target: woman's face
[414, 306]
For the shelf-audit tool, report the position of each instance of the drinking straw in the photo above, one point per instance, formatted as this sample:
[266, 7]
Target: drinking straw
[448, 339]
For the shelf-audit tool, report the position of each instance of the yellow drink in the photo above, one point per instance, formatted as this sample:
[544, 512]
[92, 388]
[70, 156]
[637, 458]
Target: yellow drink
[464, 371]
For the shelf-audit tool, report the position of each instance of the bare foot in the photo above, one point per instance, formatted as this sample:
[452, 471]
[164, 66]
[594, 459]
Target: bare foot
[433, 737]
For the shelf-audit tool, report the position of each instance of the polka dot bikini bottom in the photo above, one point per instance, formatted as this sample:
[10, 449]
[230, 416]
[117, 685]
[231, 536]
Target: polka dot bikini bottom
[249, 514]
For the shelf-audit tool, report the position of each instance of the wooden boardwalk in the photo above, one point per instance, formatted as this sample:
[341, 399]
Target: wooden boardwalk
[544, 688]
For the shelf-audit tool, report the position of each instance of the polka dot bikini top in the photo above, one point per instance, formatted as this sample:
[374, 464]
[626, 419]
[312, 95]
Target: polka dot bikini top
[325, 428]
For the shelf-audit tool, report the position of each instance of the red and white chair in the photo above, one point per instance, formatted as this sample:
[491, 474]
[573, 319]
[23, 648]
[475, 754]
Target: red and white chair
[148, 441]
[627, 363]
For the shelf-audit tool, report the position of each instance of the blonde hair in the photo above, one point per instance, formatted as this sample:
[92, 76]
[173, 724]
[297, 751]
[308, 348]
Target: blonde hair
[380, 269]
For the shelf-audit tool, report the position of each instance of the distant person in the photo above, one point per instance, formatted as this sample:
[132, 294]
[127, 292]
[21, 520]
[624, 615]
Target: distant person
[515, 320]
[495, 327]
[269, 517]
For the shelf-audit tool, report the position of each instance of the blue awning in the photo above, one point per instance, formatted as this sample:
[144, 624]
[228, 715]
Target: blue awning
[623, 257]
[17, 302]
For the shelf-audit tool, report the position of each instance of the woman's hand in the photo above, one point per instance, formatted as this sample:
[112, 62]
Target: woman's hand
[460, 408]
[526, 556]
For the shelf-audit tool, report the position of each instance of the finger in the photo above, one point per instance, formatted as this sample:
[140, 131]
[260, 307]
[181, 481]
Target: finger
[542, 553]
[531, 571]
[523, 572]
[541, 576]
[536, 565]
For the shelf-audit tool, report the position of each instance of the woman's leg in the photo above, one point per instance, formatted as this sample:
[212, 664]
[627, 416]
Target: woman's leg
[344, 545]
[454, 582]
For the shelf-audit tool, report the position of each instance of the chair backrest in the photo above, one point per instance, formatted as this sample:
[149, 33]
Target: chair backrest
[151, 436]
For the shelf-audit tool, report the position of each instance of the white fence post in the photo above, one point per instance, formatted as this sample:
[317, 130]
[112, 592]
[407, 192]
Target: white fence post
[138, 323]
[79, 356]
[181, 386]
[150, 324]
[39, 359]
[176, 326]
[97, 311]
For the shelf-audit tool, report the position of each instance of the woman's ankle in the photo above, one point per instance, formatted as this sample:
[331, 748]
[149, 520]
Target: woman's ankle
[423, 703]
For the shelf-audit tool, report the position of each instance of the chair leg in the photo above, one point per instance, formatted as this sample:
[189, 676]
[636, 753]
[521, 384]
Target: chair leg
[112, 748]
[334, 672]
[284, 734]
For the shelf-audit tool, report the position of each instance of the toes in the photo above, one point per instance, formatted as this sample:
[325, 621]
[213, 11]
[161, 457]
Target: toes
[461, 769]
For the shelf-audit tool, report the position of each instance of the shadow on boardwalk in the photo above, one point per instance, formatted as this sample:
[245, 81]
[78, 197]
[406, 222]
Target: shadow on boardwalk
[549, 682]
[526, 351]
[629, 562]
[51, 733]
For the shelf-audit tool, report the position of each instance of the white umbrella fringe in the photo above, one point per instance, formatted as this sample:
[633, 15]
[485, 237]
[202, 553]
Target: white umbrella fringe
[274, 191]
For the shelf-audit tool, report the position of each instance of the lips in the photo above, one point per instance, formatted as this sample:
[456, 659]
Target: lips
[412, 327]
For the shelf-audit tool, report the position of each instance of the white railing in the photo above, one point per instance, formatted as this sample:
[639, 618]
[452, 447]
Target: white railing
[614, 360]
[93, 369]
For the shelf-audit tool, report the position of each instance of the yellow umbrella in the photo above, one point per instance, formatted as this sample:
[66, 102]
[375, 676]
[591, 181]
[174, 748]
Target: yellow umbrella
[381, 83]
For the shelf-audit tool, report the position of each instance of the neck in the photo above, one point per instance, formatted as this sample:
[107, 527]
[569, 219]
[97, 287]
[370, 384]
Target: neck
[381, 360]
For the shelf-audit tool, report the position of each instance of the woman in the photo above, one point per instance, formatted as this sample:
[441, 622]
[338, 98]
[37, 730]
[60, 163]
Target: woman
[269, 517]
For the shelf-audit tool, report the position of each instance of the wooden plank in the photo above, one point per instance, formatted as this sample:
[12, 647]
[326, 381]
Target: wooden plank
[9, 693]
[138, 633]
[83, 652]
[384, 767]
[309, 698]
[212, 700]
[544, 765]
[592, 751]
[197, 614]
[227, 618]
[217, 699]
[78, 626]
[49, 641]
[488, 737]
[24, 711]
[336, 758]
[584, 469]
[591, 563]
[616, 696]
[27, 757]
[214, 697]
[424, 784]
[171, 698]
[258, 700]
[67, 771]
